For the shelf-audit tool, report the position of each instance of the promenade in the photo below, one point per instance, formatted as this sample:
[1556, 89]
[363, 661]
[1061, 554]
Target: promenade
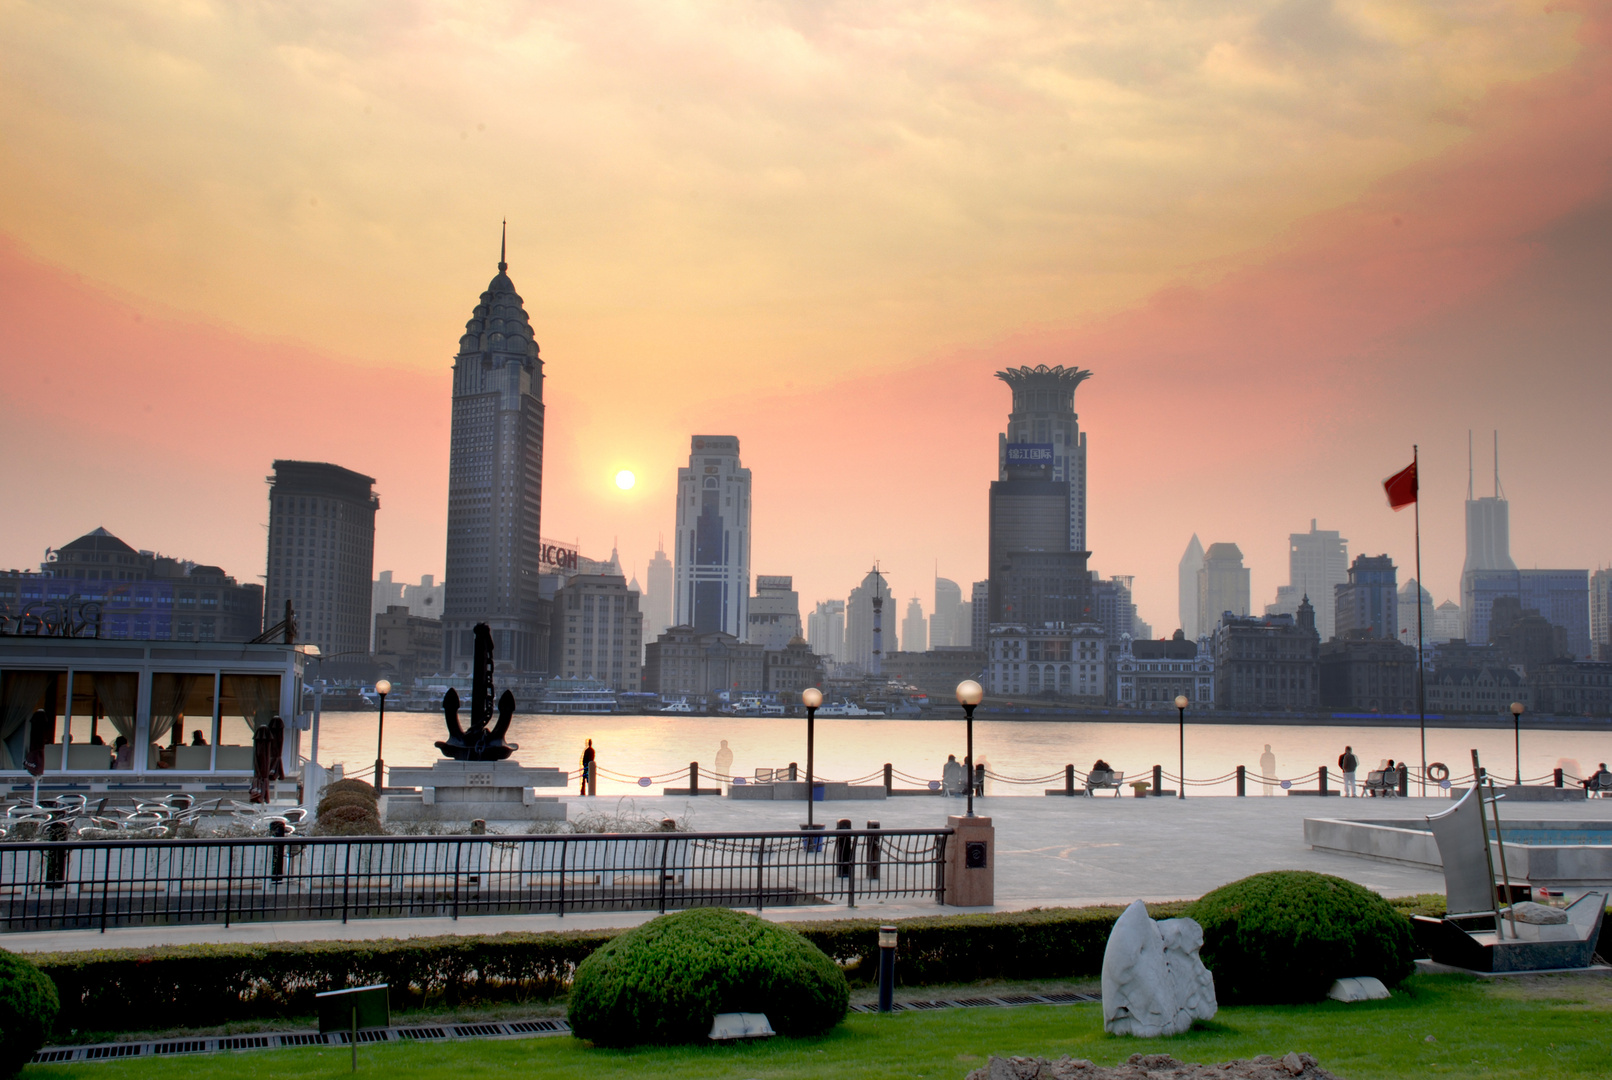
[1050, 852]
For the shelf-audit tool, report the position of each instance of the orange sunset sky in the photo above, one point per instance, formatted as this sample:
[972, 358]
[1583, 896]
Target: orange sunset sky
[1291, 238]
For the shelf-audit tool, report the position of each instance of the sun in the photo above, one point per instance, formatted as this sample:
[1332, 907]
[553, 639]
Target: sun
[625, 479]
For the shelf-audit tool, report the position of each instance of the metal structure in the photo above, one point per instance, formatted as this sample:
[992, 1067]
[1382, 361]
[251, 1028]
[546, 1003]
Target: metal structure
[113, 883]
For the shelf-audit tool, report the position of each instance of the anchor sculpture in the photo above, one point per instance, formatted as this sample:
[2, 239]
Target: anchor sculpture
[479, 743]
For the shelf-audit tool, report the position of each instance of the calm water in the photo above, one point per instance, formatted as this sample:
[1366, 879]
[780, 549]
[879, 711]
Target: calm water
[634, 746]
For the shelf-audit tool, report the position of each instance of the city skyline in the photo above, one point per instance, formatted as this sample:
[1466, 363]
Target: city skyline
[1340, 319]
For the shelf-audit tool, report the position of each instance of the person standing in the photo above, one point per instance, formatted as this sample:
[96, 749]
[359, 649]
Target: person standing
[590, 784]
[1267, 769]
[724, 765]
[1347, 764]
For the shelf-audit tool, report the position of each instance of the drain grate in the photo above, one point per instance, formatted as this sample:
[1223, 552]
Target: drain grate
[482, 1031]
[535, 1027]
[303, 1039]
[422, 1033]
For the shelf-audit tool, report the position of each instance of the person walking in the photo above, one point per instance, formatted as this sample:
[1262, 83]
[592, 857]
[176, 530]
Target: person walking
[1267, 769]
[1347, 764]
[590, 784]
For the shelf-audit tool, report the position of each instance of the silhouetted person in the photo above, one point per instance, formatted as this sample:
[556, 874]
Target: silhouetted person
[1347, 764]
[197, 738]
[590, 785]
[1267, 769]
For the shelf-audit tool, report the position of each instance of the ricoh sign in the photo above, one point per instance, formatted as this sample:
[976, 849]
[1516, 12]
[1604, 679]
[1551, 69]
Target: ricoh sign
[555, 557]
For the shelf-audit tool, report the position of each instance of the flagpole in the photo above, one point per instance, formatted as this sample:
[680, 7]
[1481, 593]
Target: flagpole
[1421, 678]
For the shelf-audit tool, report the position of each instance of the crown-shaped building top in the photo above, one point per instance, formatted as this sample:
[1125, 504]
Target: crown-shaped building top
[499, 324]
[1042, 388]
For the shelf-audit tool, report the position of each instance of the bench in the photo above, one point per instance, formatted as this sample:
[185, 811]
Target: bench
[1097, 781]
[1598, 785]
[1384, 782]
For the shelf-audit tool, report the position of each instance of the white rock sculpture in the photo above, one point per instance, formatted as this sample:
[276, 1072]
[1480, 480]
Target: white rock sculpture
[1153, 982]
[1364, 988]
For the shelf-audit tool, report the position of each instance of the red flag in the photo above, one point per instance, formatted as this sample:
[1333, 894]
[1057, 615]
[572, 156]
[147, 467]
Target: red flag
[1401, 487]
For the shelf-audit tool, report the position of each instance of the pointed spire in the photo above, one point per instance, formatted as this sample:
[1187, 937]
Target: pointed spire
[503, 240]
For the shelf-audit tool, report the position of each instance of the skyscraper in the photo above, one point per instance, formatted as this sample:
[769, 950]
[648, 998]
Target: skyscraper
[322, 553]
[1368, 602]
[1222, 586]
[1044, 428]
[774, 619]
[979, 615]
[1317, 563]
[946, 624]
[915, 628]
[712, 556]
[1601, 615]
[658, 600]
[495, 487]
[1187, 584]
[870, 618]
[825, 630]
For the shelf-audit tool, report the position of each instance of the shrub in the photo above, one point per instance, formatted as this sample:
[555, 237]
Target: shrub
[664, 981]
[356, 787]
[346, 798]
[1286, 936]
[349, 821]
[28, 1007]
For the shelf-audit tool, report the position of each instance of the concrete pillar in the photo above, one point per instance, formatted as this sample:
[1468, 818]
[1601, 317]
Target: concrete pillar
[971, 862]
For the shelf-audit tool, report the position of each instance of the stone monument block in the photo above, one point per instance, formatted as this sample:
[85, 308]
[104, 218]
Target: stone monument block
[1153, 981]
[466, 790]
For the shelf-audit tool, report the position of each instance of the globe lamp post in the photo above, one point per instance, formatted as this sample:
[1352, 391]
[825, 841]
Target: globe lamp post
[1516, 737]
[1181, 704]
[969, 695]
[382, 688]
[811, 697]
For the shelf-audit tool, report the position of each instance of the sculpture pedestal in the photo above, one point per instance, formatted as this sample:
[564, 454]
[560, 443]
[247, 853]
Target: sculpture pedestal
[466, 790]
[971, 862]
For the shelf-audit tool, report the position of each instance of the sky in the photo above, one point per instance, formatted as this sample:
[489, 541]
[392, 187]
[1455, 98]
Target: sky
[1291, 239]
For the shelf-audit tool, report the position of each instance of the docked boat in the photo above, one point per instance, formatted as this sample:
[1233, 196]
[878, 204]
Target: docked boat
[847, 710]
[677, 708]
[578, 696]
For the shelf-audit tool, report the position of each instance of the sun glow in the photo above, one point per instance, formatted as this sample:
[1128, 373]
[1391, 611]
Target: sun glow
[625, 479]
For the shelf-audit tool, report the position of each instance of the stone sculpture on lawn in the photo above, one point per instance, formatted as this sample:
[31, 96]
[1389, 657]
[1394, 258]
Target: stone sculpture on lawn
[1153, 981]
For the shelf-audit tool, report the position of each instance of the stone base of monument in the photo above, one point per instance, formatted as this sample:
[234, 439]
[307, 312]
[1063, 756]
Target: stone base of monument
[466, 790]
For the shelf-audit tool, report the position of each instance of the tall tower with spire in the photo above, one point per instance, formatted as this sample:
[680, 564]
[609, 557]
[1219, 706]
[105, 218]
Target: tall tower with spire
[495, 486]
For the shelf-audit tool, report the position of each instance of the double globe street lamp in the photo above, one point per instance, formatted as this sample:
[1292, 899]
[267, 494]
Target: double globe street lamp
[969, 695]
[383, 687]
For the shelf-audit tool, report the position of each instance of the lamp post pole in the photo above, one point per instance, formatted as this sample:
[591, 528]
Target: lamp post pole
[1516, 737]
[811, 697]
[382, 688]
[969, 695]
[1181, 717]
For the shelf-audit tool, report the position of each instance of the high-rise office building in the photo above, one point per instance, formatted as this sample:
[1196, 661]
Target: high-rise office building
[1223, 585]
[825, 631]
[1407, 614]
[597, 631]
[915, 628]
[322, 553]
[947, 626]
[1447, 622]
[1187, 584]
[870, 623]
[423, 601]
[979, 615]
[1317, 563]
[495, 487]
[658, 600]
[1368, 603]
[774, 619]
[712, 556]
[1601, 615]
[1044, 428]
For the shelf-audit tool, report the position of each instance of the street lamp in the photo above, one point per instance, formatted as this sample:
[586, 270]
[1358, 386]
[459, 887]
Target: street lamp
[1181, 714]
[1516, 736]
[811, 697]
[382, 688]
[969, 695]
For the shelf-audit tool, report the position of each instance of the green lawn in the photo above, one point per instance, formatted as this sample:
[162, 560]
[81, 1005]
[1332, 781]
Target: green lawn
[1539, 1027]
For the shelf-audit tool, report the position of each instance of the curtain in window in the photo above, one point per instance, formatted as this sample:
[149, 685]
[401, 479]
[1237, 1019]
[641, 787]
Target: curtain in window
[23, 691]
[256, 698]
[169, 692]
[117, 691]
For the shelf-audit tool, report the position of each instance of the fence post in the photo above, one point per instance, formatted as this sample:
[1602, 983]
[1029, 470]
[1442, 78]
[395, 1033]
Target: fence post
[106, 877]
[1322, 774]
[1158, 780]
[665, 847]
[346, 878]
[1557, 776]
[1404, 782]
[229, 881]
[693, 778]
[1242, 781]
[761, 871]
[940, 869]
[1069, 779]
[890, 782]
[458, 853]
[793, 773]
[874, 855]
[564, 848]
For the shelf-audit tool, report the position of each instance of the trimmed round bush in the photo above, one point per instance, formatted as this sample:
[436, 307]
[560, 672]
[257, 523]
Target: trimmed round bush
[346, 798]
[1286, 936]
[663, 982]
[355, 787]
[349, 821]
[28, 1007]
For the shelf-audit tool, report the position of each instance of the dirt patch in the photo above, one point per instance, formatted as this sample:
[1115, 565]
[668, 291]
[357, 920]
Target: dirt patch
[1153, 1067]
[1586, 991]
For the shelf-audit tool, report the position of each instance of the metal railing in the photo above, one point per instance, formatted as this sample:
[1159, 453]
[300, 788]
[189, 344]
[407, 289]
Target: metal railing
[97, 884]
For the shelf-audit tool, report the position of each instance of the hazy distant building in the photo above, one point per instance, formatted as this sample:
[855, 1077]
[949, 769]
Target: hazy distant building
[1601, 615]
[915, 628]
[683, 662]
[1268, 663]
[407, 646]
[712, 557]
[1152, 674]
[1187, 584]
[1407, 614]
[423, 601]
[1525, 637]
[947, 626]
[870, 606]
[1447, 622]
[1484, 689]
[1043, 428]
[1113, 608]
[1572, 688]
[1223, 585]
[597, 632]
[825, 631]
[1365, 674]
[774, 617]
[139, 594]
[495, 488]
[791, 669]
[979, 615]
[322, 553]
[657, 601]
[1369, 601]
[938, 671]
[1050, 660]
[1562, 597]
[1317, 563]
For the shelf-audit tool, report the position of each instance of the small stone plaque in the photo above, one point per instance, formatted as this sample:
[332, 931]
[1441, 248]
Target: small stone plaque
[479, 779]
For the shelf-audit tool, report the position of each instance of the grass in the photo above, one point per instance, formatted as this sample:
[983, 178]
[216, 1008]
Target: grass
[1543, 1026]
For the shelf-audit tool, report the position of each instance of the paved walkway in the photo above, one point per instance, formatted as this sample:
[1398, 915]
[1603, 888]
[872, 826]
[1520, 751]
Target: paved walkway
[1050, 852]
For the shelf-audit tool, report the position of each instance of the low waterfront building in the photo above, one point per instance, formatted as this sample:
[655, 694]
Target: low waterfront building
[1151, 674]
[683, 661]
[1360, 673]
[597, 631]
[1269, 662]
[774, 618]
[407, 646]
[1056, 660]
[791, 669]
[1572, 688]
[938, 671]
[1485, 690]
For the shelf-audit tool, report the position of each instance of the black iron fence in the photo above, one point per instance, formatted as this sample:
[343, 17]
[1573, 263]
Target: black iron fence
[112, 883]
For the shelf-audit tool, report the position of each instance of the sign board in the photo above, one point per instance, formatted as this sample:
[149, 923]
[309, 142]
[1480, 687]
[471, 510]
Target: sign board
[775, 582]
[1029, 453]
[338, 1007]
[716, 442]
[557, 557]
